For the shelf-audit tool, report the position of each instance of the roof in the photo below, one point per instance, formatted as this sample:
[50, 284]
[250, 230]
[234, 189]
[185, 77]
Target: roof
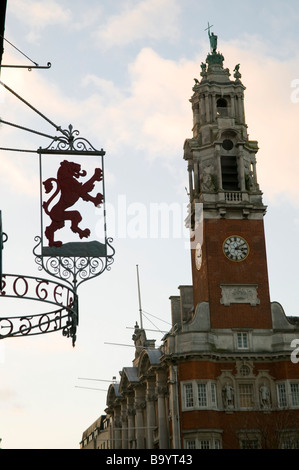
[154, 355]
[131, 373]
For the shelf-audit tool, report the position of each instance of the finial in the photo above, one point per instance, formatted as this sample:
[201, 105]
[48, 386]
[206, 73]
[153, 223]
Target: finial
[237, 74]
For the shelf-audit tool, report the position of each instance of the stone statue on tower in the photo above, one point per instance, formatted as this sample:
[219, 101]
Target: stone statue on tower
[213, 39]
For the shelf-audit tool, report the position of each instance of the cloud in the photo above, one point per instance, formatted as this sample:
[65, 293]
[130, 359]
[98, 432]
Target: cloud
[39, 15]
[152, 114]
[149, 19]
[271, 115]
[33, 12]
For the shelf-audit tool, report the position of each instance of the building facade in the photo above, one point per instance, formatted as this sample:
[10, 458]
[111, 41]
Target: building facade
[98, 435]
[223, 377]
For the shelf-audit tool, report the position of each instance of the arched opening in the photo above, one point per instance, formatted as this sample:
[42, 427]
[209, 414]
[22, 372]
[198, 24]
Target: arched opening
[222, 107]
[229, 173]
[221, 103]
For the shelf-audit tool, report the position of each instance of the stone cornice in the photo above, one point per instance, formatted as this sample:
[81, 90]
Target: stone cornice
[225, 356]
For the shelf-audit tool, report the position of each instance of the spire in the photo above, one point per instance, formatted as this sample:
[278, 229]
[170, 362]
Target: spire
[221, 158]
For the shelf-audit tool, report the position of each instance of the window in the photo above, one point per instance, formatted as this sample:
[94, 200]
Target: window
[244, 370]
[290, 443]
[246, 395]
[213, 395]
[202, 441]
[249, 444]
[242, 340]
[188, 392]
[227, 144]
[202, 395]
[204, 444]
[190, 444]
[282, 396]
[295, 394]
[199, 395]
[288, 394]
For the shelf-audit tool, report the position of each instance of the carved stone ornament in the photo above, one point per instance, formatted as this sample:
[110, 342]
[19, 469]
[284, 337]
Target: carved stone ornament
[265, 397]
[140, 405]
[239, 294]
[228, 396]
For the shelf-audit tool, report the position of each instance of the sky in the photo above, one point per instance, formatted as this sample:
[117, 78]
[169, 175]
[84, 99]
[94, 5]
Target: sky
[122, 74]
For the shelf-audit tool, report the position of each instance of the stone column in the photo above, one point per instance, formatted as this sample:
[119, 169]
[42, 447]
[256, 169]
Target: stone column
[161, 390]
[117, 428]
[124, 425]
[150, 413]
[254, 173]
[241, 109]
[218, 167]
[203, 118]
[131, 417]
[241, 169]
[190, 172]
[233, 111]
[174, 407]
[207, 108]
[214, 107]
[139, 405]
[196, 178]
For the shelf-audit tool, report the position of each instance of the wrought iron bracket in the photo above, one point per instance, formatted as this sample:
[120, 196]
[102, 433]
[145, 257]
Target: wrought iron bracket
[75, 263]
[29, 67]
[65, 316]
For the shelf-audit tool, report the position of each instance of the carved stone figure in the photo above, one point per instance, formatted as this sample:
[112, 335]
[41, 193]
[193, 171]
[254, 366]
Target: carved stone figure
[265, 397]
[206, 180]
[213, 41]
[237, 74]
[228, 396]
[203, 72]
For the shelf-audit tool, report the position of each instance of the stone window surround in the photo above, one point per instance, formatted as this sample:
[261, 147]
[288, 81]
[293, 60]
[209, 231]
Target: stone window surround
[212, 436]
[288, 393]
[210, 391]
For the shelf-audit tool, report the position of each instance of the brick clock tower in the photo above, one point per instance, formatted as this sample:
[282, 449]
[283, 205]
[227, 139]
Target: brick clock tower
[230, 350]
[226, 375]
[229, 266]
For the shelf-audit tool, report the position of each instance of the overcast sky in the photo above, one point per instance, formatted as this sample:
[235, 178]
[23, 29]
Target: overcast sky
[122, 74]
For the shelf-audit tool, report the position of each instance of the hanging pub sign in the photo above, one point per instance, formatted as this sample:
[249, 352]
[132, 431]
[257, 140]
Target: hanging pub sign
[73, 246]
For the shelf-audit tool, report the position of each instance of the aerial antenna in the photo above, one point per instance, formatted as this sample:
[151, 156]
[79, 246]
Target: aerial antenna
[139, 297]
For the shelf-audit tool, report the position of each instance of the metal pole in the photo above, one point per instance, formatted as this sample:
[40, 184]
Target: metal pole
[139, 297]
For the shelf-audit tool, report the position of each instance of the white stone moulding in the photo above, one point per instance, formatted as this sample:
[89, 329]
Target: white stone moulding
[239, 294]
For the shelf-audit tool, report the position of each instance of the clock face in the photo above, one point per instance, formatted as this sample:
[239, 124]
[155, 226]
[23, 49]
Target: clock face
[198, 256]
[235, 248]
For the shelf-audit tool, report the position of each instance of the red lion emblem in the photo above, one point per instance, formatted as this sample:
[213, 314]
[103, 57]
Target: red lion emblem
[71, 190]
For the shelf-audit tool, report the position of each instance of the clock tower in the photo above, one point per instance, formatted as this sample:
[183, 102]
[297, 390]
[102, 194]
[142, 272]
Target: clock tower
[226, 211]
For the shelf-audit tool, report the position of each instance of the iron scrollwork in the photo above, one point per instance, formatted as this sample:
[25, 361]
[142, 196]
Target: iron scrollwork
[70, 143]
[73, 269]
[64, 317]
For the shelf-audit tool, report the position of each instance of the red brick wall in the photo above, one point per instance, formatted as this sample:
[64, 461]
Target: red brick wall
[232, 423]
[217, 269]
